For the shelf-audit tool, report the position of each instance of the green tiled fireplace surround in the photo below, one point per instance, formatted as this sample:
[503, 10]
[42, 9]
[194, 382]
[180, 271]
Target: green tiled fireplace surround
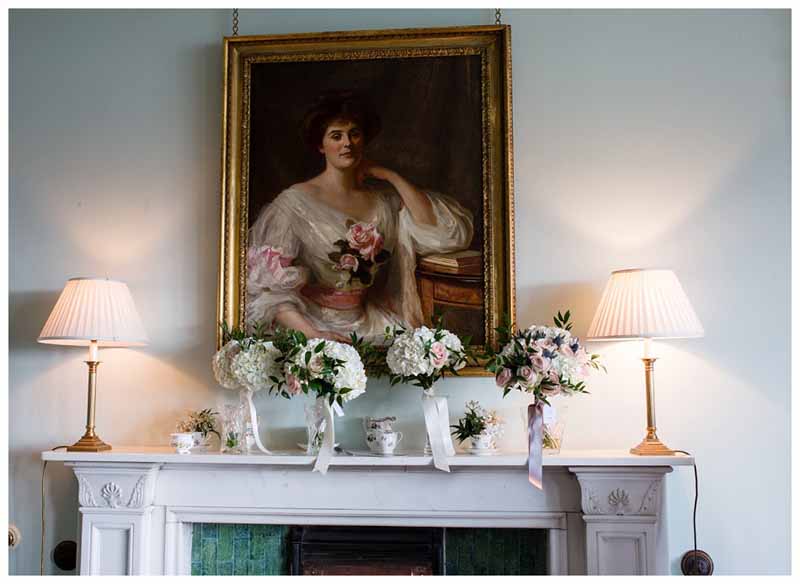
[221, 549]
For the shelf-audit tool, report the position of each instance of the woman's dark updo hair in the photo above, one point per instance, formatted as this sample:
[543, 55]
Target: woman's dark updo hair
[350, 106]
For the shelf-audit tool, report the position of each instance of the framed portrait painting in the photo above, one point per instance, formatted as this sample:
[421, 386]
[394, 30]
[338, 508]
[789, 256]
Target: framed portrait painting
[367, 181]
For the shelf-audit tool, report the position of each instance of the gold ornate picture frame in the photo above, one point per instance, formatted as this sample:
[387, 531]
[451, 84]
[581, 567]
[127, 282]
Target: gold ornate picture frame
[443, 97]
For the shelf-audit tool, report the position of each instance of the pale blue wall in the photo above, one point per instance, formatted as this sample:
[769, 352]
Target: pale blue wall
[641, 138]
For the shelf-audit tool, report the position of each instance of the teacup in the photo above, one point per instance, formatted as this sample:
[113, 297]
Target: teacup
[182, 441]
[379, 424]
[383, 442]
[481, 442]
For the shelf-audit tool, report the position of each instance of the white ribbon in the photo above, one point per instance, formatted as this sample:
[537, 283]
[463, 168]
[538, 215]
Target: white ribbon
[437, 426]
[254, 422]
[326, 450]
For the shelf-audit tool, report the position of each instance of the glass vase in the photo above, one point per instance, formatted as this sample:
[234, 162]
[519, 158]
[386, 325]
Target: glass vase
[233, 429]
[553, 425]
[315, 425]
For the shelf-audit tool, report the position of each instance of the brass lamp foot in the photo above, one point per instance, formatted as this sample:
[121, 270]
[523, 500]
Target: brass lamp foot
[89, 444]
[652, 447]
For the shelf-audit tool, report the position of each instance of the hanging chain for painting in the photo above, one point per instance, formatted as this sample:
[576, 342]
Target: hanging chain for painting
[498, 15]
[235, 22]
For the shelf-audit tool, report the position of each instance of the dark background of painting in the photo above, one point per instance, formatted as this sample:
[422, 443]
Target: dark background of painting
[430, 110]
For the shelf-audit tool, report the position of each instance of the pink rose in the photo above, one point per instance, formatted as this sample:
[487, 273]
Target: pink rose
[503, 377]
[292, 384]
[439, 355]
[365, 238]
[348, 263]
[316, 364]
[527, 374]
[540, 363]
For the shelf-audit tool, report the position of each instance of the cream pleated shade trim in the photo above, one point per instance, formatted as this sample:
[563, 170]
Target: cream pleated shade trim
[94, 309]
[644, 304]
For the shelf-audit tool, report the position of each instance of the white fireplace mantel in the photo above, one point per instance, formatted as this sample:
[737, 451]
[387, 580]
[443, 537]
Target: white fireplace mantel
[602, 509]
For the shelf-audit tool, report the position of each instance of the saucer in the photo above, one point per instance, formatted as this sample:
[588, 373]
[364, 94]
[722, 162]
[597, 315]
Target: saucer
[304, 447]
[481, 451]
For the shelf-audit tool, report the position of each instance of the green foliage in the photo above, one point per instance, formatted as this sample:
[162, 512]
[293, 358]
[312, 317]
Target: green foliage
[472, 424]
[562, 321]
[203, 421]
[232, 439]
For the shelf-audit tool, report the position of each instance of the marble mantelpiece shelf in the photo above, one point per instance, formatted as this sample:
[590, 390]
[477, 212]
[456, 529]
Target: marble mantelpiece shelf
[566, 458]
[601, 508]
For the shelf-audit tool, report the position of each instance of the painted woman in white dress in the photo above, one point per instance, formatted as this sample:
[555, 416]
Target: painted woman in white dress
[330, 255]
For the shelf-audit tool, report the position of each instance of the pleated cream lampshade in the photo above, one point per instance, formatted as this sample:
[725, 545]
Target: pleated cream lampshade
[94, 309]
[644, 304]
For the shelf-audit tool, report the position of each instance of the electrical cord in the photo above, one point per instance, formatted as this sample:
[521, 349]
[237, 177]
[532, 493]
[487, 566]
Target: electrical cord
[696, 494]
[41, 550]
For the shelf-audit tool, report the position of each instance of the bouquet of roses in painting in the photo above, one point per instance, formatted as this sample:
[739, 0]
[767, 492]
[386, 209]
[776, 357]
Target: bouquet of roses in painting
[545, 362]
[421, 357]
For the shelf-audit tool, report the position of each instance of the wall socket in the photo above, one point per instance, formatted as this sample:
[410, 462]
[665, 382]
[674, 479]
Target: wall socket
[14, 536]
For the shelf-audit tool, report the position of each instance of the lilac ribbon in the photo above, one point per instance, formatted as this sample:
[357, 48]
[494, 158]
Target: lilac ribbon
[535, 437]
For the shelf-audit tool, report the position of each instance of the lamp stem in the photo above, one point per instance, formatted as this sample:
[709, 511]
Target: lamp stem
[651, 445]
[92, 398]
[90, 442]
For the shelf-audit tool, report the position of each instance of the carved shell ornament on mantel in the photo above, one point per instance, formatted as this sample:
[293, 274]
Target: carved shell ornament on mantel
[618, 500]
[112, 494]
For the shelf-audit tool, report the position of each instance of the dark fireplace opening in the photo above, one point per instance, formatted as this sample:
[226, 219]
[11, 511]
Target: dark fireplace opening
[334, 550]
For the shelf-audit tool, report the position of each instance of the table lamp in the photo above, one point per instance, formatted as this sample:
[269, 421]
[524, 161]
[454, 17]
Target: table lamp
[645, 304]
[93, 312]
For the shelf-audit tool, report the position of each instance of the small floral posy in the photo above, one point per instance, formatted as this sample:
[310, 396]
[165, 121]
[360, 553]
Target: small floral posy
[203, 421]
[476, 422]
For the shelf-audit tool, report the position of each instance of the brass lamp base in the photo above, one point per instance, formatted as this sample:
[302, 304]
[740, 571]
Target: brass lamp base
[89, 444]
[652, 447]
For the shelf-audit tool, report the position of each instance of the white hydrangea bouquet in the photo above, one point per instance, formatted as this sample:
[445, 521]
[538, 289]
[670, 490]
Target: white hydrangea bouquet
[332, 371]
[421, 357]
[544, 362]
[249, 364]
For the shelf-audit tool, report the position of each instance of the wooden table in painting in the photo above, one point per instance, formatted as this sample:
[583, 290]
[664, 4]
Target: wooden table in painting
[459, 295]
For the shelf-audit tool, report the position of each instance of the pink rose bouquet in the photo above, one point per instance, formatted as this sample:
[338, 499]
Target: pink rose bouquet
[543, 361]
